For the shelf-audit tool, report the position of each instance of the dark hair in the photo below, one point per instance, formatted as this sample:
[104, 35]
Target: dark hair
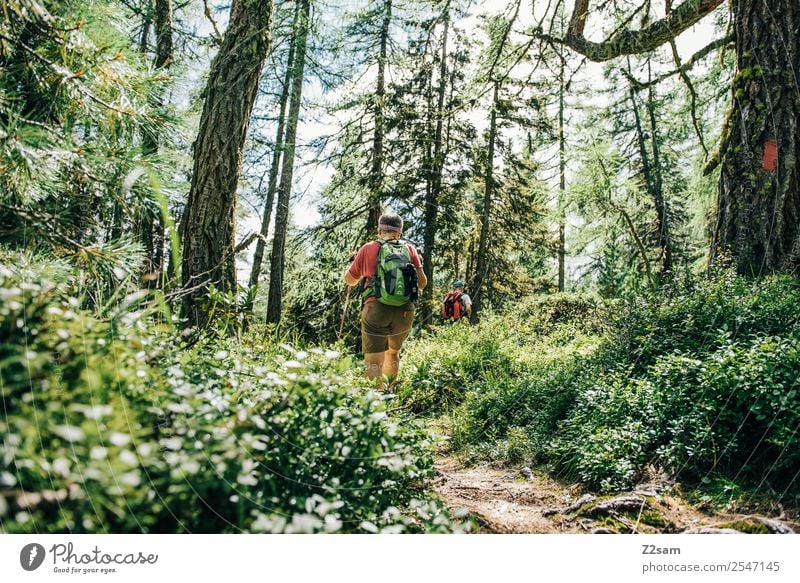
[391, 219]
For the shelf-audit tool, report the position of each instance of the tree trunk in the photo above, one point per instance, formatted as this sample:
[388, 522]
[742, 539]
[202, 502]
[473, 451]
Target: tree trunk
[376, 171]
[664, 239]
[652, 177]
[758, 219]
[258, 257]
[481, 282]
[152, 229]
[207, 224]
[562, 181]
[435, 179]
[278, 257]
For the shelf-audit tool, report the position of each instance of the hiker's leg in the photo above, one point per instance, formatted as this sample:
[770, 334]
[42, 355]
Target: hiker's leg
[374, 332]
[401, 326]
[373, 364]
[391, 362]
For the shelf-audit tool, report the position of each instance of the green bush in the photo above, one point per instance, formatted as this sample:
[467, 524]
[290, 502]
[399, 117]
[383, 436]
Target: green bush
[695, 316]
[733, 412]
[113, 425]
[440, 371]
[699, 380]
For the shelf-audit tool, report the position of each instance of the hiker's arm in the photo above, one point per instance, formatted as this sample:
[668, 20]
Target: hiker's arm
[351, 272]
[349, 278]
[422, 279]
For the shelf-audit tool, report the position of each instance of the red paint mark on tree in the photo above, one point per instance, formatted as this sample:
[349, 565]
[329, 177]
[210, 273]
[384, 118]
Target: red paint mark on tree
[770, 161]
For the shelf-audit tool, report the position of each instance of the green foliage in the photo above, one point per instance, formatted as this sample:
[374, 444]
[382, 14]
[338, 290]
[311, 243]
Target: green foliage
[113, 425]
[507, 371]
[699, 381]
[697, 315]
[734, 410]
[76, 99]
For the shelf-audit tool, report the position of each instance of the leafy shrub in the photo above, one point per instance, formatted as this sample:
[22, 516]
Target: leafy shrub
[440, 371]
[699, 381]
[113, 425]
[536, 400]
[734, 412]
[699, 315]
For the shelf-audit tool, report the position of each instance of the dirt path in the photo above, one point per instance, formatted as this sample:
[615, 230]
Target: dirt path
[508, 501]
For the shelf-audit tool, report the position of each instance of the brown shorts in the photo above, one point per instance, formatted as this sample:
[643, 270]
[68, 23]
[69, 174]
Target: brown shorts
[384, 327]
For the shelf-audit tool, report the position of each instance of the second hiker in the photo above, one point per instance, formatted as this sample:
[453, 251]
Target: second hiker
[390, 272]
[457, 304]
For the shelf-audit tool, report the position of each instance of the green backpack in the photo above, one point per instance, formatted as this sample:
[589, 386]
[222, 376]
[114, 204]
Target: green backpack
[395, 281]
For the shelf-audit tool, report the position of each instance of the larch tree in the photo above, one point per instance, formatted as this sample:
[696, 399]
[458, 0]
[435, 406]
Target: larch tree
[277, 156]
[207, 224]
[277, 258]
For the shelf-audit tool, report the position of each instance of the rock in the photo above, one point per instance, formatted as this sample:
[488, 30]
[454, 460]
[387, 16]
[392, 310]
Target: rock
[621, 504]
[526, 471]
[602, 530]
[710, 530]
[774, 526]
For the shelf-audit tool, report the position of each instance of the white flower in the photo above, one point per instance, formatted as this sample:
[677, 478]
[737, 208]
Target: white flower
[69, 432]
[190, 467]
[119, 439]
[61, 466]
[127, 457]
[132, 479]
[98, 411]
[173, 443]
[247, 480]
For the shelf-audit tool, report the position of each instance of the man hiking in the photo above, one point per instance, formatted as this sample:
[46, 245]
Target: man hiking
[390, 272]
[457, 304]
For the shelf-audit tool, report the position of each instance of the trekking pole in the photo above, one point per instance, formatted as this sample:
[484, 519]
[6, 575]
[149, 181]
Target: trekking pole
[344, 312]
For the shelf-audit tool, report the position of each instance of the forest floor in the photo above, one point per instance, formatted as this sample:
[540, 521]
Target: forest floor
[529, 501]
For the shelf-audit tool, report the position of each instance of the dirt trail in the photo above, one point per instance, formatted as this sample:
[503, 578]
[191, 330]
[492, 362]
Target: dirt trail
[508, 501]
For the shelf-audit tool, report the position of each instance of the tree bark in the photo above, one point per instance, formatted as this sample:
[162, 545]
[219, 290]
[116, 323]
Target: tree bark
[634, 42]
[659, 201]
[435, 179]
[652, 177]
[152, 229]
[207, 224]
[278, 257]
[376, 171]
[480, 281]
[758, 215]
[258, 257]
[562, 181]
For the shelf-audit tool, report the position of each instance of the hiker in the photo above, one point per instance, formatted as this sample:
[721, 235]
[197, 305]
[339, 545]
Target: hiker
[457, 304]
[390, 272]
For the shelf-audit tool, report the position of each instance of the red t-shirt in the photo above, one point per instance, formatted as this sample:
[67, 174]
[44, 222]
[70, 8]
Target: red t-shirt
[366, 262]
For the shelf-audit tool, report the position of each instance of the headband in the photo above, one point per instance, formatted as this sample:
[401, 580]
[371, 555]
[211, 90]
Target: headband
[385, 227]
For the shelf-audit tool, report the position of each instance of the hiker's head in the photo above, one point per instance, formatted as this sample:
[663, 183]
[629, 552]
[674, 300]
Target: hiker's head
[458, 286]
[390, 226]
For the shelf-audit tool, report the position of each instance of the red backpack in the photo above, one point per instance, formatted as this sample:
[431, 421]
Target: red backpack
[453, 306]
